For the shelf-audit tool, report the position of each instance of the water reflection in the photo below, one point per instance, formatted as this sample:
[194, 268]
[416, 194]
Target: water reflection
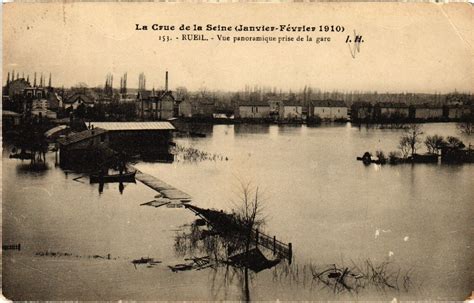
[243, 129]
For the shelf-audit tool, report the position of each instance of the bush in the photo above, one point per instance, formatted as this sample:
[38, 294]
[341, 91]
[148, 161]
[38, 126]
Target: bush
[381, 157]
[394, 157]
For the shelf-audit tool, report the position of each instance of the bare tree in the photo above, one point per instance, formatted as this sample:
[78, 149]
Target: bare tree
[466, 127]
[454, 143]
[411, 138]
[249, 209]
[434, 143]
[404, 146]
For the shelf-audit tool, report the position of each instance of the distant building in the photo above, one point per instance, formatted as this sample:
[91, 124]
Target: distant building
[55, 101]
[361, 111]
[428, 112]
[459, 111]
[10, 119]
[291, 111]
[197, 107]
[391, 110]
[275, 104]
[16, 87]
[153, 105]
[156, 105]
[127, 97]
[329, 110]
[41, 101]
[252, 110]
[78, 98]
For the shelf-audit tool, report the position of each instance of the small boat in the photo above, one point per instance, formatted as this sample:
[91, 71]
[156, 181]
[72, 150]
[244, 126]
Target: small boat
[124, 178]
[180, 267]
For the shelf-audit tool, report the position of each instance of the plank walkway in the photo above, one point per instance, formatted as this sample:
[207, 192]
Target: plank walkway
[168, 191]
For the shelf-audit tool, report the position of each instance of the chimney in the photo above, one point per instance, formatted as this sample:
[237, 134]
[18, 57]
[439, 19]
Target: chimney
[166, 82]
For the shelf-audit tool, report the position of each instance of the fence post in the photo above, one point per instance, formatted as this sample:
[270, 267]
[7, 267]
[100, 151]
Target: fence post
[274, 245]
[290, 253]
[19, 246]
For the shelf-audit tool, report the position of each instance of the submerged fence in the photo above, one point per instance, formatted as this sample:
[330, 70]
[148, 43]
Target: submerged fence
[11, 247]
[277, 247]
[223, 221]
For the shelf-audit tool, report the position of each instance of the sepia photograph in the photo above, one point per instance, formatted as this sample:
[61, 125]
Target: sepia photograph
[237, 152]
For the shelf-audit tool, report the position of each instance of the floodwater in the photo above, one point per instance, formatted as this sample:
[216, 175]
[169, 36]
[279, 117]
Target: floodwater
[332, 208]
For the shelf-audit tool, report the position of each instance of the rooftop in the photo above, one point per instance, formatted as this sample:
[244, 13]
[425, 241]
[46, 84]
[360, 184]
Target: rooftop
[392, 104]
[77, 137]
[79, 97]
[116, 126]
[253, 103]
[54, 130]
[328, 103]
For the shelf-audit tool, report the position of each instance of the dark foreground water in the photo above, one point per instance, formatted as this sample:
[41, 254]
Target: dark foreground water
[331, 207]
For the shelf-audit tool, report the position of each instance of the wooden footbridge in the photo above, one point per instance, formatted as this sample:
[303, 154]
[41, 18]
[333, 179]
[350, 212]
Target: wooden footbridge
[223, 222]
[166, 190]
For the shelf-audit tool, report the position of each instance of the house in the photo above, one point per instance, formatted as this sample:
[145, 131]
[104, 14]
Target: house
[40, 107]
[361, 111]
[155, 105]
[39, 101]
[252, 110]
[197, 107]
[291, 110]
[459, 111]
[275, 103]
[36, 92]
[55, 101]
[77, 99]
[428, 112]
[391, 111]
[330, 110]
[149, 139]
[10, 119]
[85, 149]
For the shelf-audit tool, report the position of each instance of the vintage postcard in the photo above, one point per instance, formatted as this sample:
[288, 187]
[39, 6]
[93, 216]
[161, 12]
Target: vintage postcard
[237, 152]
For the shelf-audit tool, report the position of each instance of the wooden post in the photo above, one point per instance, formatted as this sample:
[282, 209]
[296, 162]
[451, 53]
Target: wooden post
[274, 245]
[19, 246]
[290, 253]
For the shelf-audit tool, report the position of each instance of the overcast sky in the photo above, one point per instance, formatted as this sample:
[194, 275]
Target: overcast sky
[407, 47]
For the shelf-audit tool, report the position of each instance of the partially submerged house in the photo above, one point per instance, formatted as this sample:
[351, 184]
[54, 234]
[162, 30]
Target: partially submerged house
[361, 111]
[195, 107]
[428, 112]
[329, 110]
[87, 149]
[291, 110]
[148, 139]
[458, 111]
[391, 111]
[252, 109]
